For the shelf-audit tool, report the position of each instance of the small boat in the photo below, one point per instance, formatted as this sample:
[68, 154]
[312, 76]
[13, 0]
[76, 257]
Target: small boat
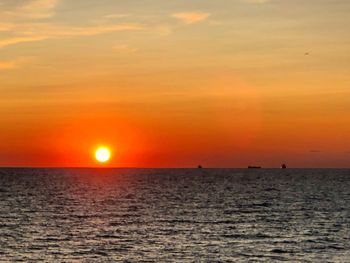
[200, 167]
[283, 166]
[254, 167]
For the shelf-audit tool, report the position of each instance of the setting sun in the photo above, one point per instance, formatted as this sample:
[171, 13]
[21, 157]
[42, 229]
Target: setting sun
[103, 154]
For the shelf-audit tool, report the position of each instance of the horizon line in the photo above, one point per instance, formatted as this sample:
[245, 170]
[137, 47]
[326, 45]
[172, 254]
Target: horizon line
[194, 167]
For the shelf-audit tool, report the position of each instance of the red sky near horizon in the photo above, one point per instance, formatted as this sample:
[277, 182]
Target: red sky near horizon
[229, 84]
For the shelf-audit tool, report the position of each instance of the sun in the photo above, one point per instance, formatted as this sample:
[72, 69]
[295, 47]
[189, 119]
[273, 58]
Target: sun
[103, 154]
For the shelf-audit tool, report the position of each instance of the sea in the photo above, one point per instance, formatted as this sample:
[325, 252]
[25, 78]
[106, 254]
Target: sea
[174, 215]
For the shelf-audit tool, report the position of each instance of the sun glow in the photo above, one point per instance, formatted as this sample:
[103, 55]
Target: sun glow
[103, 154]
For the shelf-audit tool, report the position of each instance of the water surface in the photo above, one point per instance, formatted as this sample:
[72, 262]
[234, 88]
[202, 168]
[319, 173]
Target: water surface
[182, 215]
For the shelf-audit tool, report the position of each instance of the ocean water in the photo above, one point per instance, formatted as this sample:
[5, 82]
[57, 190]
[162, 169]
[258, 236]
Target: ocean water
[174, 215]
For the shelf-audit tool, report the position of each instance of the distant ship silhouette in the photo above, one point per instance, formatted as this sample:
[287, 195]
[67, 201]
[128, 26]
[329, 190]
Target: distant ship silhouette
[283, 166]
[254, 167]
[200, 167]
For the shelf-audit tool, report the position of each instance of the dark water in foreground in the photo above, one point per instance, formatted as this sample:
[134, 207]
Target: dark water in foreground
[182, 215]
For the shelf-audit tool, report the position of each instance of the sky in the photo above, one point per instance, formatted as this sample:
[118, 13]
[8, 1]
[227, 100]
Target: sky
[175, 83]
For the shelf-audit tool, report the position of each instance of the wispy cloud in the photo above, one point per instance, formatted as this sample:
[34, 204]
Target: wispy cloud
[23, 24]
[124, 49]
[163, 29]
[34, 9]
[55, 31]
[38, 32]
[38, 9]
[15, 63]
[191, 17]
[115, 16]
[6, 27]
[111, 17]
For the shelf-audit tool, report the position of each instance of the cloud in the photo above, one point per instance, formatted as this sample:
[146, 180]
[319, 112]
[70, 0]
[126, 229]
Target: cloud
[111, 17]
[38, 32]
[191, 17]
[39, 9]
[115, 16]
[24, 24]
[34, 9]
[124, 49]
[54, 31]
[15, 63]
[163, 30]
[16, 40]
[6, 27]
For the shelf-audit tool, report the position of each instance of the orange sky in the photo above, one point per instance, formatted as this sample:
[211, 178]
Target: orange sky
[175, 83]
